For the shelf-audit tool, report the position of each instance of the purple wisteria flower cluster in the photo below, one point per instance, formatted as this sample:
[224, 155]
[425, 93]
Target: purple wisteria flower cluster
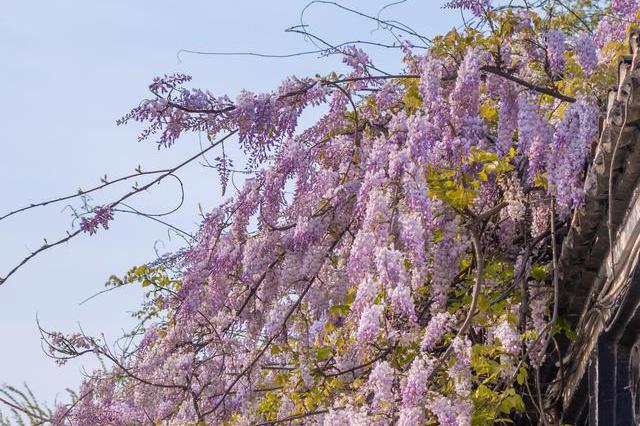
[101, 216]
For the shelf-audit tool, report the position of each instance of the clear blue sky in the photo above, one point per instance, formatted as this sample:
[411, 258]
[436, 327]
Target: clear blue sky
[69, 70]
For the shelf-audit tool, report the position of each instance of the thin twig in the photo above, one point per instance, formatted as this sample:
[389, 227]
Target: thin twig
[72, 235]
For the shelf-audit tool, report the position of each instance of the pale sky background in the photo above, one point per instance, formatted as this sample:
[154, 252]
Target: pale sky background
[69, 69]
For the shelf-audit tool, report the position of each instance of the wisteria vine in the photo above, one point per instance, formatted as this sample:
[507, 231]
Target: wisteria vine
[393, 263]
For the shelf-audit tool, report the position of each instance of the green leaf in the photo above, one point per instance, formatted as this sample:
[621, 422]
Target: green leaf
[324, 353]
[538, 272]
[339, 310]
[411, 99]
[522, 376]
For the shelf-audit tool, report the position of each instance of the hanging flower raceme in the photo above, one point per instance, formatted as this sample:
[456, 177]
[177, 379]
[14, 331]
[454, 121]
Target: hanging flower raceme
[554, 43]
[102, 215]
